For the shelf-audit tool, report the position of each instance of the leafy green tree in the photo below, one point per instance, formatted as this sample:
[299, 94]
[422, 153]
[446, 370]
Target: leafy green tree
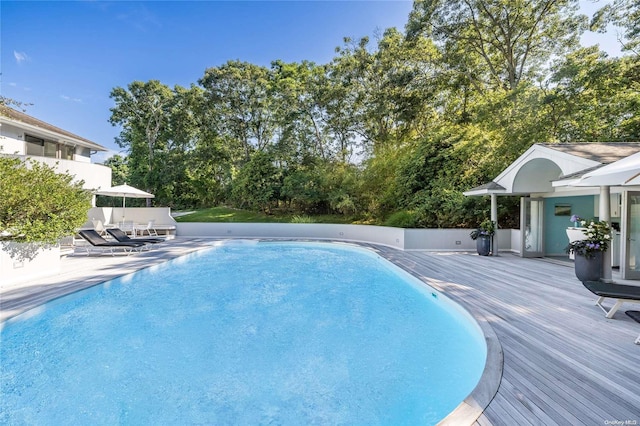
[119, 176]
[258, 183]
[387, 93]
[213, 160]
[342, 182]
[625, 14]
[394, 129]
[241, 107]
[38, 205]
[175, 186]
[119, 169]
[303, 189]
[593, 98]
[304, 130]
[142, 110]
[498, 43]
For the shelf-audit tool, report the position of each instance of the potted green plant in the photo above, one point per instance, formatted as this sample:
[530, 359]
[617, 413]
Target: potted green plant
[589, 251]
[482, 235]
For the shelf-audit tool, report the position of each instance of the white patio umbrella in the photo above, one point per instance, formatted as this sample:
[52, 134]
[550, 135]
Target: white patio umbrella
[619, 173]
[124, 191]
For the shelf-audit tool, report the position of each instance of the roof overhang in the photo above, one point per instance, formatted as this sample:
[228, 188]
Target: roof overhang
[535, 172]
[536, 169]
[60, 136]
[486, 189]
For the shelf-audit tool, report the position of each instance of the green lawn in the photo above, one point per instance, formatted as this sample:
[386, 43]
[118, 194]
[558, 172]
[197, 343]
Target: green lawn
[226, 214]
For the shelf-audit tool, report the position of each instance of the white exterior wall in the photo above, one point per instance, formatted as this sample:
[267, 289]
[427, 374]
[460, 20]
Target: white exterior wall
[83, 155]
[94, 175]
[404, 239]
[12, 142]
[14, 270]
[9, 142]
[515, 240]
[439, 239]
[376, 234]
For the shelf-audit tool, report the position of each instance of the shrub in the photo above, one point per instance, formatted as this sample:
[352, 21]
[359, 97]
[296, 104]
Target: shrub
[487, 229]
[302, 219]
[38, 205]
[402, 219]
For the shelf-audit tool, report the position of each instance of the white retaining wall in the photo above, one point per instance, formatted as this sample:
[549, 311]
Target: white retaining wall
[404, 239]
[140, 215]
[14, 269]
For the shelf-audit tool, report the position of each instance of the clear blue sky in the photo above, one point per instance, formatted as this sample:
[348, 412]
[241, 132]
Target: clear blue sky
[66, 56]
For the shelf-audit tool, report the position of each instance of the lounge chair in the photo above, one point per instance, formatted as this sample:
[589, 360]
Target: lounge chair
[622, 293]
[99, 243]
[148, 228]
[635, 315]
[99, 227]
[121, 236]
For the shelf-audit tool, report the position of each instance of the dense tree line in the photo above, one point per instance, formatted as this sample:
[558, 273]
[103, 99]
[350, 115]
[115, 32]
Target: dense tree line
[392, 130]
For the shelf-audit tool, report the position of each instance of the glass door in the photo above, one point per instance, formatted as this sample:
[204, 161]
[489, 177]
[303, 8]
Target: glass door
[531, 227]
[630, 261]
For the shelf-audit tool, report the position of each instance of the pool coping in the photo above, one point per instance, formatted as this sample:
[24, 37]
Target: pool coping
[467, 412]
[472, 407]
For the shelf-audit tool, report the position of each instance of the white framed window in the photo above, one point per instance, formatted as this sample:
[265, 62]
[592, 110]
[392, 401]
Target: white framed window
[34, 146]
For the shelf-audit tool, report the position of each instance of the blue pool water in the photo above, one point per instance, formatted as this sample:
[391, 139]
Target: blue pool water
[267, 333]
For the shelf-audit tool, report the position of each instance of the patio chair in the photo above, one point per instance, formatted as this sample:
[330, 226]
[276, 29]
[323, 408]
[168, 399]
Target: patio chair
[635, 315]
[126, 226]
[148, 228]
[99, 227]
[621, 292]
[99, 243]
[121, 236]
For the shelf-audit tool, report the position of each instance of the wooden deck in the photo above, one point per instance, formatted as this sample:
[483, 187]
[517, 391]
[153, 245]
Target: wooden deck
[564, 362]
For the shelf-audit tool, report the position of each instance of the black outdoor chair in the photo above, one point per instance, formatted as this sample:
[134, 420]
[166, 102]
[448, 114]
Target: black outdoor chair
[623, 293]
[122, 237]
[98, 243]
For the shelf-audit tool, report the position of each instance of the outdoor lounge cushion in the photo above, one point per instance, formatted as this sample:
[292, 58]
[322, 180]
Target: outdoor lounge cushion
[93, 238]
[621, 292]
[121, 236]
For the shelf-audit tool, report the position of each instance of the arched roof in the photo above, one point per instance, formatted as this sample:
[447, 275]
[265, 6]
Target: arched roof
[542, 164]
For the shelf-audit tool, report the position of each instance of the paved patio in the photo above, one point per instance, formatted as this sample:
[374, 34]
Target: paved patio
[564, 362]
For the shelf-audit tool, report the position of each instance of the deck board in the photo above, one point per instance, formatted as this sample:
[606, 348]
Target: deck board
[564, 362]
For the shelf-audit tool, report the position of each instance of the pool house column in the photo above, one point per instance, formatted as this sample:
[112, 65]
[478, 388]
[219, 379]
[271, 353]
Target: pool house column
[494, 219]
[604, 213]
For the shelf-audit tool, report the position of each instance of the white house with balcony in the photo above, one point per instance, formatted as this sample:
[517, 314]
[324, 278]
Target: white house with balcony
[24, 137]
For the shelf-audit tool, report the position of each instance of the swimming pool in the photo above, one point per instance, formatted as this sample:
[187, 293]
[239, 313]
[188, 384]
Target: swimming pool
[284, 333]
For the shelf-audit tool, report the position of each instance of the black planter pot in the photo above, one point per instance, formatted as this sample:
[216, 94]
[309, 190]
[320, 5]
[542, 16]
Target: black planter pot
[588, 269]
[483, 245]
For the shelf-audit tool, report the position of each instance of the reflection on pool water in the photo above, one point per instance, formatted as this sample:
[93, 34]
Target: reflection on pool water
[282, 333]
